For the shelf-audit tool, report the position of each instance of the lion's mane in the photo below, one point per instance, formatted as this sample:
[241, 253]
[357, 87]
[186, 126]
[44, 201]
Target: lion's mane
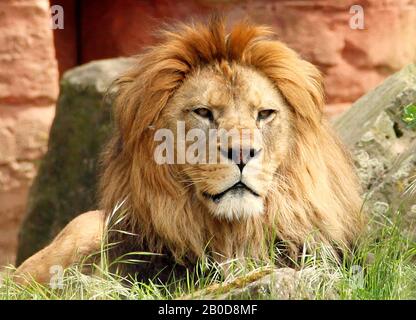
[316, 195]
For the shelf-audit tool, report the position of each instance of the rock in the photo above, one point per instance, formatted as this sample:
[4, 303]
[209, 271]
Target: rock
[29, 73]
[66, 182]
[270, 283]
[383, 146]
[28, 92]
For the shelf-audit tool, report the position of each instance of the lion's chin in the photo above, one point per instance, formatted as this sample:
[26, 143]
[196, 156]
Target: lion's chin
[236, 206]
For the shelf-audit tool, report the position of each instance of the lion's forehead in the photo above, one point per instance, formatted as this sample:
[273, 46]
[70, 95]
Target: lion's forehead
[245, 91]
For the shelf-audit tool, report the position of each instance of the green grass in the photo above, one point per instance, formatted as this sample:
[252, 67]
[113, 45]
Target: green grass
[386, 266]
[383, 267]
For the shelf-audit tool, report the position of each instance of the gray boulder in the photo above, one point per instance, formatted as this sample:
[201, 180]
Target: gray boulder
[67, 178]
[383, 146]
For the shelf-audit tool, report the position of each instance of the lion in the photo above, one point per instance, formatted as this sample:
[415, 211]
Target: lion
[297, 185]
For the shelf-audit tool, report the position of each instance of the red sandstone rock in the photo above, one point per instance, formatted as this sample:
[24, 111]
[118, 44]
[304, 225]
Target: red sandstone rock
[28, 91]
[28, 74]
[23, 135]
[353, 61]
[13, 204]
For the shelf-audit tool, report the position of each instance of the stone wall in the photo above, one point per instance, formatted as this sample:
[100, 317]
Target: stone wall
[28, 91]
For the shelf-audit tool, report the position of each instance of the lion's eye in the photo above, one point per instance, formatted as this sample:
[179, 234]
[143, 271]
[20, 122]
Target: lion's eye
[265, 114]
[204, 113]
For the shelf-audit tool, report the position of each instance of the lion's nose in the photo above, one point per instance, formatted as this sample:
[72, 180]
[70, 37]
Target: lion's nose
[240, 156]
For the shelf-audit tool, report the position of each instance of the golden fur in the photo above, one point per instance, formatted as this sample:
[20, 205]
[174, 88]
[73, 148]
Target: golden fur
[311, 196]
[316, 193]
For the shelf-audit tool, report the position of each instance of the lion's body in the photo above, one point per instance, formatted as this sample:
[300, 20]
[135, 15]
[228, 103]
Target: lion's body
[308, 192]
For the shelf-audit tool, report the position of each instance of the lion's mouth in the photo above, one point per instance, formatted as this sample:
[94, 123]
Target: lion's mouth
[238, 188]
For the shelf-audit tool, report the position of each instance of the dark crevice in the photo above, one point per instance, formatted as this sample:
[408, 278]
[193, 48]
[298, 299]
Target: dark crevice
[397, 130]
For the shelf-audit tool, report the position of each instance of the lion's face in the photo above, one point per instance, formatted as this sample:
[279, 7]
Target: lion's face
[242, 103]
